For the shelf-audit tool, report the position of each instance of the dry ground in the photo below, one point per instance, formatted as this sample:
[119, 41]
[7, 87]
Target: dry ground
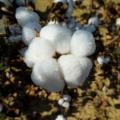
[98, 99]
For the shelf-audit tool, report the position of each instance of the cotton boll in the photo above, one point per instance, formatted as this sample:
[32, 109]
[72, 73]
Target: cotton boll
[67, 98]
[23, 16]
[60, 117]
[29, 32]
[83, 43]
[61, 101]
[71, 70]
[59, 36]
[47, 75]
[38, 50]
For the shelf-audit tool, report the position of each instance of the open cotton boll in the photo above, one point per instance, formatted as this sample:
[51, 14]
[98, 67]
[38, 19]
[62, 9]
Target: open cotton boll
[59, 36]
[24, 15]
[38, 50]
[83, 43]
[47, 74]
[74, 69]
[29, 31]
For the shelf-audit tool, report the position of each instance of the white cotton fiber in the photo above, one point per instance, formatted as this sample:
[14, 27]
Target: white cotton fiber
[74, 69]
[38, 50]
[86, 64]
[47, 74]
[59, 36]
[94, 20]
[71, 69]
[118, 21]
[67, 98]
[63, 1]
[60, 117]
[83, 43]
[24, 15]
[29, 31]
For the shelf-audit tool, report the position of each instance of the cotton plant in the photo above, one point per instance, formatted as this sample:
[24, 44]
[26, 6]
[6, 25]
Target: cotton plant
[58, 57]
[71, 57]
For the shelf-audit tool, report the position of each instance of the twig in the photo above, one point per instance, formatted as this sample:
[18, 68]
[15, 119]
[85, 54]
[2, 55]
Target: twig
[116, 38]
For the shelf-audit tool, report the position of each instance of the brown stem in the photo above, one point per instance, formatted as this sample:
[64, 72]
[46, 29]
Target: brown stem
[116, 38]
